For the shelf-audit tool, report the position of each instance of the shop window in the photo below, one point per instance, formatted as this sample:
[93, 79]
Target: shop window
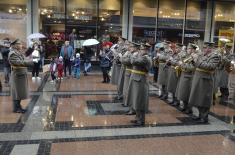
[110, 19]
[170, 20]
[12, 12]
[224, 23]
[195, 22]
[144, 20]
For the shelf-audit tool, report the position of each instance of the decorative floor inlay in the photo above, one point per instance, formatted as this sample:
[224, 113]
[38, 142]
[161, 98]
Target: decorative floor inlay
[82, 117]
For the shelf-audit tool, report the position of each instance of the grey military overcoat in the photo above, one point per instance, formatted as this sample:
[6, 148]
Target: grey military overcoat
[19, 81]
[126, 60]
[163, 69]
[172, 77]
[138, 92]
[185, 82]
[201, 93]
[115, 73]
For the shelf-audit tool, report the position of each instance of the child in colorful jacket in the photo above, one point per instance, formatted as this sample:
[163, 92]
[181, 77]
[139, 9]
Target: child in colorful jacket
[52, 68]
[77, 66]
[60, 68]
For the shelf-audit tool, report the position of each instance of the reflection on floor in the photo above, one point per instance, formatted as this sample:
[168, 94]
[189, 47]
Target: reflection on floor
[81, 117]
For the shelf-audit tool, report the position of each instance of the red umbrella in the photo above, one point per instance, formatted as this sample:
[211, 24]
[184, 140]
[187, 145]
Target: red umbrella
[107, 43]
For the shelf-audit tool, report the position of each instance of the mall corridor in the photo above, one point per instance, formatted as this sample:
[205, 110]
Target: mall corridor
[80, 117]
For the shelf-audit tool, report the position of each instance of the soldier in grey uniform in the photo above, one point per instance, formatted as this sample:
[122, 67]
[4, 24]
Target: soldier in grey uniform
[121, 75]
[187, 71]
[174, 73]
[201, 93]
[116, 67]
[162, 56]
[19, 80]
[223, 71]
[138, 92]
[126, 60]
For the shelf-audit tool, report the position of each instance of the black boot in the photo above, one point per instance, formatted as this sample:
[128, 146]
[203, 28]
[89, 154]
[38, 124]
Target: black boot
[17, 107]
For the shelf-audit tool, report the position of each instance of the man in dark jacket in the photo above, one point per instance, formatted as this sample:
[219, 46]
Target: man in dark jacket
[67, 53]
[6, 65]
[105, 62]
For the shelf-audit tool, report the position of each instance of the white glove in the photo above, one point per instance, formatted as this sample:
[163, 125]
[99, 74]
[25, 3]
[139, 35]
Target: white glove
[135, 54]
[35, 60]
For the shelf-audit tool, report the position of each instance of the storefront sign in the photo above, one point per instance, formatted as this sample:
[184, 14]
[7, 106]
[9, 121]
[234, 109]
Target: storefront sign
[84, 18]
[153, 33]
[57, 36]
[190, 35]
[149, 33]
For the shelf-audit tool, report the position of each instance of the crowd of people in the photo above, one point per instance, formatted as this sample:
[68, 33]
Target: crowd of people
[192, 75]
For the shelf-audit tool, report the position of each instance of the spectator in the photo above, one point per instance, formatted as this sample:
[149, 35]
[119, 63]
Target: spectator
[60, 67]
[87, 59]
[6, 65]
[36, 60]
[66, 53]
[52, 68]
[105, 62]
[77, 66]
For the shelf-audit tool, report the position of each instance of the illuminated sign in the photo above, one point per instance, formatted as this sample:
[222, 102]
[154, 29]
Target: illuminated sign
[189, 35]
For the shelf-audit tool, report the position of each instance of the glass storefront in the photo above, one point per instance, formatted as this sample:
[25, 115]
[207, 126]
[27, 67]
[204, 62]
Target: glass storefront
[170, 20]
[195, 22]
[224, 22]
[110, 18]
[151, 20]
[12, 12]
[144, 20]
[78, 20]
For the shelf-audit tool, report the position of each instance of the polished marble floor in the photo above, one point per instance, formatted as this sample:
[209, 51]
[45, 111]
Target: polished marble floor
[81, 117]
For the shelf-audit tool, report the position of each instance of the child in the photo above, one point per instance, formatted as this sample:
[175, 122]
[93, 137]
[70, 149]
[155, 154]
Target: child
[52, 68]
[77, 66]
[60, 67]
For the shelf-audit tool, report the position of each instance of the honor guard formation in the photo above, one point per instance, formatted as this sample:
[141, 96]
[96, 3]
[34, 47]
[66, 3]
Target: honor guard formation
[189, 76]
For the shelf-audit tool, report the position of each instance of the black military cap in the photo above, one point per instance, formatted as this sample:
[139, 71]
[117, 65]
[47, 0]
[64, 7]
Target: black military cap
[194, 46]
[136, 44]
[17, 41]
[179, 44]
[145, 46]
[209, 44]
[167, 42]
[133, 44]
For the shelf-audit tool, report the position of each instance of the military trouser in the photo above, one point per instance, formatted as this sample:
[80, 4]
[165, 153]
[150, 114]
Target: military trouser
[224, 92]
[224, 95]
[164, 93]
[175, 101]
[0, 85]
[203, 112]
[140, 115]
[16, 105]
[155, 76]
[120, 90]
